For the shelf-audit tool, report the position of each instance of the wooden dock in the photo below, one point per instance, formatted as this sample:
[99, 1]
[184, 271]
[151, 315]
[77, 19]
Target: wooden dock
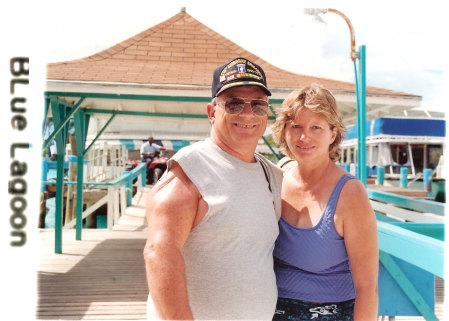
[410, 192]
[102, 277]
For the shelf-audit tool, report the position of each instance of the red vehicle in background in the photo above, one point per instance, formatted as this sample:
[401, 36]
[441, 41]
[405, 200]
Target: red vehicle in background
[157, 167]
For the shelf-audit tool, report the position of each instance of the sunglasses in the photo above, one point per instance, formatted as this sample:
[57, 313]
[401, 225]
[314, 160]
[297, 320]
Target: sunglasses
[235, 105]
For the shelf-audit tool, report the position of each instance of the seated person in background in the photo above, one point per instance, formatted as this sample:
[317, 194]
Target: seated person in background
[148, 150]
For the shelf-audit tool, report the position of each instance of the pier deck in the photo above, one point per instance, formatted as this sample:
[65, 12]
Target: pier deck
[102, 277]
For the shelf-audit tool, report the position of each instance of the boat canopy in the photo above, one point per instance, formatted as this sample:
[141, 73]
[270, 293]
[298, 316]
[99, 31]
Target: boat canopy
[401, 126]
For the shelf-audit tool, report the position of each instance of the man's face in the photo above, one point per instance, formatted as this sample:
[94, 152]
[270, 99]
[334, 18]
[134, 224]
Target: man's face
[151, 140]
[242, 130]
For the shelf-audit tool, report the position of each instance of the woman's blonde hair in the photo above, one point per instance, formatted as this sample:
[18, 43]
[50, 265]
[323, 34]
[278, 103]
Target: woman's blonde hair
[318, 100]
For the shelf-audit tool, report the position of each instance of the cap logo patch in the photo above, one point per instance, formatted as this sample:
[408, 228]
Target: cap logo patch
[241, 68]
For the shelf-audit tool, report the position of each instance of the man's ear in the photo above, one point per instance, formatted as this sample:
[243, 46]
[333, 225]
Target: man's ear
[211, 112]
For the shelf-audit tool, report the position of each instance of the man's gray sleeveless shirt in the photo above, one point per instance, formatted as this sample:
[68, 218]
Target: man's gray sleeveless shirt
[229, 254]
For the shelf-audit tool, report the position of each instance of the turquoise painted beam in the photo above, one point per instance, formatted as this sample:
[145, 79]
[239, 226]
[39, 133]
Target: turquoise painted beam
[58, 112]
[62, 123]
[99, 133]
[407, 202]
[417, 249]
[55, 94]
[271, 148]
[409, 289]
[46, 107]
[150, 114]
[127, 96]
[75, 183]
[120, 180]
[141, 113]
[272, 109]
[360, 85]
[383, 218]
[435, 230]
[59, 206]
[80, 132]
[362, 112]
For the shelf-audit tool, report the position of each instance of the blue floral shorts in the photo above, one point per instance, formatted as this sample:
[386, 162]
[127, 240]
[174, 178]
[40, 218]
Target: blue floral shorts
[297, 310]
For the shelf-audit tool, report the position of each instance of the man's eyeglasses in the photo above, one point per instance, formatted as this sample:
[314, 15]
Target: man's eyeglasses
[235, 105]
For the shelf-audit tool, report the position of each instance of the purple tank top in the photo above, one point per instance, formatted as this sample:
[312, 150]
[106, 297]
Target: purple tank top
[312, 264]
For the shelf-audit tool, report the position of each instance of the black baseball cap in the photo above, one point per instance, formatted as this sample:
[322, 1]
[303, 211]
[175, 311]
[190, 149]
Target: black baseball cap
[238, 72]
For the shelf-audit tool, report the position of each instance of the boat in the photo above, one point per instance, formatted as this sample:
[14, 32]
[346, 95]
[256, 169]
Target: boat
[414, 143]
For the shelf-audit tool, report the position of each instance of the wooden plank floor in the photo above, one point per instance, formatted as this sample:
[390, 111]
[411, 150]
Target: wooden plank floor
[102, 277]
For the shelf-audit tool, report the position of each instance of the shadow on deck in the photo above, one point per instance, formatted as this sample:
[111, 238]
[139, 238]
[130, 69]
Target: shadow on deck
[108, 283]
[101, 277]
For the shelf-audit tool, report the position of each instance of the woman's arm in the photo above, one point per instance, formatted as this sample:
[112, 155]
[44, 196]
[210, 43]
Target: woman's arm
[360, 235]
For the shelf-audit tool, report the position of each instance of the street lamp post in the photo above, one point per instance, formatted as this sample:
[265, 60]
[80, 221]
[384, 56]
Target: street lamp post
[360, 88]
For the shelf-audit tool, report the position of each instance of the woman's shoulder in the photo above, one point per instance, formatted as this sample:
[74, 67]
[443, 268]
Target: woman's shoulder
[353, 186]
[353, 197]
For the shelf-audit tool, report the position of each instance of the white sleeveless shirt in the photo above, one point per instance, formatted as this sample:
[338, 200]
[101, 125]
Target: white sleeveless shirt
[229, 254]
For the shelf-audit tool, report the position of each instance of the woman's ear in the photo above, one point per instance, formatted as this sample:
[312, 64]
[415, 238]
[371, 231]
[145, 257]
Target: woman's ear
[334, 135]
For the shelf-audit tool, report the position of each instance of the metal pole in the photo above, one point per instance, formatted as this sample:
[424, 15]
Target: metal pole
[361, 111]
[79, 121]
[360, 88]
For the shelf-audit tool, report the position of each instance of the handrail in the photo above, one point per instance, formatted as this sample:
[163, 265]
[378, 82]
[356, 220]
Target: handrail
[421, 205]
[419, 246]
[415, 248]
[400, 240]
[120, 180]
[118, 189]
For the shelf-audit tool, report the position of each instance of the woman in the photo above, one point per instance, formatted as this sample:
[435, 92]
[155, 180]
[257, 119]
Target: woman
[326, 255]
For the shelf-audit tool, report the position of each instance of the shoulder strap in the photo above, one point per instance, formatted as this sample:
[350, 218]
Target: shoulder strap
[333, 199]
[264, 169]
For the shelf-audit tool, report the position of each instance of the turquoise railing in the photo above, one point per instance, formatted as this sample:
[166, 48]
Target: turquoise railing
[411, 255]
[119, 196]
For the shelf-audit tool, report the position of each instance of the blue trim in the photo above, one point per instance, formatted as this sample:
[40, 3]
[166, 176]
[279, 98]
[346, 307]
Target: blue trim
[402, 127]
[178, 144]
[129, 143]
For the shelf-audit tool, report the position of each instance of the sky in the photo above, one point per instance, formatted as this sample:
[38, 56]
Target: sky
[405, 48]
[404, 42]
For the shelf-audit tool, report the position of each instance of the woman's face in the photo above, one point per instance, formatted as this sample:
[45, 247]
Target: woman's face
[308, 136]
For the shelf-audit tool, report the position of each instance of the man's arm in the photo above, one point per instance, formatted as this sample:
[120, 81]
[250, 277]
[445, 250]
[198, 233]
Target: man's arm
[171, 210]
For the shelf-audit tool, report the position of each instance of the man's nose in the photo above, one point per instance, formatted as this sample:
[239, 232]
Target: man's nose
[247, 110]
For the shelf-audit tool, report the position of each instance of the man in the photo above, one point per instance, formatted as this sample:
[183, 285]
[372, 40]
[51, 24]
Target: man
[213, 217]
[148, 150]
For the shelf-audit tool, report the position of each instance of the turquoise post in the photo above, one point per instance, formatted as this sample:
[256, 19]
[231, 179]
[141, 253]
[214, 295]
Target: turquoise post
[380, 175]
[59, 198]
[403, 181]
[80, 137]
[58, 112]
[79, 196]
[44, 174]
[361, 110]
[129, 187]
[427, 180]
[144, 177]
